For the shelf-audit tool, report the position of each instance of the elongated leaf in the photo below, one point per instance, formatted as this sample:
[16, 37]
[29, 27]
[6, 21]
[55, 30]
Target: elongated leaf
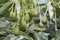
[5, 7]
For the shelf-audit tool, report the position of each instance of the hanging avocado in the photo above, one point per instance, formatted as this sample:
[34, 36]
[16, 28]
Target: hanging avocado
[33, 13]
[16, 31]
[13, 15]
[44, 20]
[41, 24]
[26, 17]
[23, 25]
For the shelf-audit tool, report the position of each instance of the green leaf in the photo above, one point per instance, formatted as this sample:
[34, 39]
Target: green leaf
[4, 7]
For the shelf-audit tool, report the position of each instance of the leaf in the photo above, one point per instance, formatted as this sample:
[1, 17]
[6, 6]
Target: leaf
[2, 2]
[3, 23]
[4, 7]
[42, 36]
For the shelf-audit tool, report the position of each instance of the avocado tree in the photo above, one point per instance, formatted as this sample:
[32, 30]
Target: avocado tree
[29, 19]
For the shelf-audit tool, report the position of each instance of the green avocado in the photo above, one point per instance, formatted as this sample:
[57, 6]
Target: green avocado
[23, 25]
[16, 31]
[26, 17]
